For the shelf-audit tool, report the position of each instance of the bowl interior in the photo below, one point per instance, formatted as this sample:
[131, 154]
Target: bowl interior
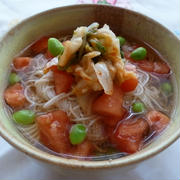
[64, 20]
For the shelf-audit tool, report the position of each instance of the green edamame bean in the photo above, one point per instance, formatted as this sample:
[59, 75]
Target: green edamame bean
[24, 117]
[138, 107]
[55, 47]
[166, 88]
[77, 134]
[14, 78]
[139, 53]
[121, 40]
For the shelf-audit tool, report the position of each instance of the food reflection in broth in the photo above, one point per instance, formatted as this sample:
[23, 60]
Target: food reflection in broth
[90, 95]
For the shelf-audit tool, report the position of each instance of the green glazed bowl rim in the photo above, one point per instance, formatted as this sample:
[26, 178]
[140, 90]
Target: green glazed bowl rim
[73, 163]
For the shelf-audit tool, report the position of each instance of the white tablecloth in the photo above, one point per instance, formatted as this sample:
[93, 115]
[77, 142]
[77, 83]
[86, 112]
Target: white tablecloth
[15, 165]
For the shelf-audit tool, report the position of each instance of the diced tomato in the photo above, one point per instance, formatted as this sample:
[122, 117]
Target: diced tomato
[129, 135]
[14, 96]
[157, 121]
[129, 84]
[48, 55]
[40, 45]
[54, 131]
[63, 81]
[111, 121]
[84, 149]
[110, 105]
[146, 65]
[21, 62]
[161, 67]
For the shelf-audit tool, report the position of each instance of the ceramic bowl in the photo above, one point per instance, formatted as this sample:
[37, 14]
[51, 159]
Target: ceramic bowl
[65, 19]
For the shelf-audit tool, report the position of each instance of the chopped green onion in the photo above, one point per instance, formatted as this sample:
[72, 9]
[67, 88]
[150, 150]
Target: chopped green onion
[100, 47]
[97, 45]
[122, 54]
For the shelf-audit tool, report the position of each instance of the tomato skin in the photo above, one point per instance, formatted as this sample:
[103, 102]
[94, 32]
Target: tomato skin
[146, 65]
[110, 105]
[14, 96]
[157, 121]
[63, 81]
[129, 135]
[111, 121]
[129, 85]
[54, 130]
[161, 67]
[40, 45]
[48, 55]
[84, 149]
[21, 62]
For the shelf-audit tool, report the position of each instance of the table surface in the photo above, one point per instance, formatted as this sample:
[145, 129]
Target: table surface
[15, 165]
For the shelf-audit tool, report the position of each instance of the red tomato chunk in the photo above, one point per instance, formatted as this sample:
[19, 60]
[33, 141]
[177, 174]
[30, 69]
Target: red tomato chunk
[63, 81]
[40, 45]
[14, 96]
[83, 149]
[48, 55]
[110, 105]
[161, 67]
[146, 65]
[112, 121]
[21, 62]
[157, 120]
[129, 85]
[54, 130]
[158, 67]
[54, 133]
[129, 135]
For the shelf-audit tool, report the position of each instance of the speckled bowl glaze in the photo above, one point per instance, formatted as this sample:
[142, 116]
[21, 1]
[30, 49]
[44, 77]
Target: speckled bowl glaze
[65, 19]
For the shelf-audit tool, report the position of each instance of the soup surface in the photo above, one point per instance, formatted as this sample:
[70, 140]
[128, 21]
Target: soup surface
[90, 95]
